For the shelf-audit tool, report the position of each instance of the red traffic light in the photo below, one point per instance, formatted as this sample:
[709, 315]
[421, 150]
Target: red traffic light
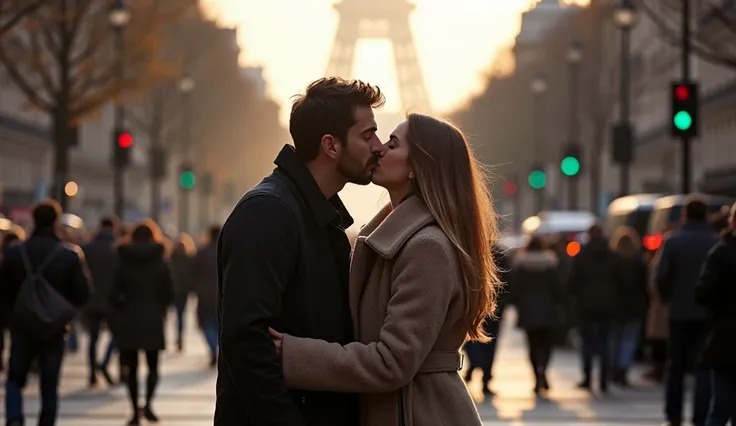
[125, 140]
[682, 93]
[510, 188]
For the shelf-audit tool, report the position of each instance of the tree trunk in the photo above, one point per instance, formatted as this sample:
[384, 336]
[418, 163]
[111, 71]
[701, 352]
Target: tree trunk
[61, 155]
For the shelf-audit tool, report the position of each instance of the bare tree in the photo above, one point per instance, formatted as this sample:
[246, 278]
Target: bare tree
[713, 38]
[60, 57]
[13, 11]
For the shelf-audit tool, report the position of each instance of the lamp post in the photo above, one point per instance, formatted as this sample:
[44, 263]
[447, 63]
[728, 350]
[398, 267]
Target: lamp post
[186, 86]
[538, 88]
[574, 57]
[119, 17]
[625, 17]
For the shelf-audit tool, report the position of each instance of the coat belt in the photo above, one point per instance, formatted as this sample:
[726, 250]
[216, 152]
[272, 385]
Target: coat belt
[442, 362]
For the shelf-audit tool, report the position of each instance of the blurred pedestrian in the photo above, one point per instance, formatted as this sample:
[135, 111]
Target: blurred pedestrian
[12, 236]
[678, 273]
[101, 258]
[205, 288]
[632, 302]
[717, 292]
[41, 259]
[182, 261]
[594, 284]
[142, 291]
[539, 298]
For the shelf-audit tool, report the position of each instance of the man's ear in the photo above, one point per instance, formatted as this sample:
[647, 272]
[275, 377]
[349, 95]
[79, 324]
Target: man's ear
[331, 146]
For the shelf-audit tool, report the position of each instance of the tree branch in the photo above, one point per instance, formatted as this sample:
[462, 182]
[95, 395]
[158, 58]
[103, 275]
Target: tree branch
[19, 15]
[21, 81]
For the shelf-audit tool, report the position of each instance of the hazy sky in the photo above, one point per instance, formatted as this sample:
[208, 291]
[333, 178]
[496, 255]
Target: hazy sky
[456, 41]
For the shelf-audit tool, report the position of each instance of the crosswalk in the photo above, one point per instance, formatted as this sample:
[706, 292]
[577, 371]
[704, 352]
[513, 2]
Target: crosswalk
[185, 396]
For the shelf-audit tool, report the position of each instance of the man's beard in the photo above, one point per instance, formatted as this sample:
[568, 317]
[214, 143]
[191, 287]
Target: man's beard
[355, 172]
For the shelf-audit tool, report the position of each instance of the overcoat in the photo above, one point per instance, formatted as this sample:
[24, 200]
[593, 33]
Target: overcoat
[408, 308]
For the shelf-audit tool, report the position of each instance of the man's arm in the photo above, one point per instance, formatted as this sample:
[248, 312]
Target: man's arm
[711, 277]
[258, 252]
[421, 293]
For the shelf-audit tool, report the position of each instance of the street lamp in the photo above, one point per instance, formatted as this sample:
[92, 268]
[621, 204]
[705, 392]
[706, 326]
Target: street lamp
[625, 17]
[186, 86]
[538, 87]
[119, 17]
[574, 57]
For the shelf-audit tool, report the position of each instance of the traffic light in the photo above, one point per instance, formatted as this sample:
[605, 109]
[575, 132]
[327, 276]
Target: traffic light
[537, 177]
[187, 178]
[510, 188]
[571, 163]
[684, 112]
[122, 146]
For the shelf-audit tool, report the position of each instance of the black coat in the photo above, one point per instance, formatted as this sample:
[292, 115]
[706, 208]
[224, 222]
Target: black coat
[101, 258]
[537, 290]
[283, 262]
[182, 268]
[66, 273]
[205, 283]
[594, 281]
[717, 292]
[141, 293]
[633, 296]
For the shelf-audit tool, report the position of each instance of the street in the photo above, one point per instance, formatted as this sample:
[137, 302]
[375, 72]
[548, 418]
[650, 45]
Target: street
[186, 393]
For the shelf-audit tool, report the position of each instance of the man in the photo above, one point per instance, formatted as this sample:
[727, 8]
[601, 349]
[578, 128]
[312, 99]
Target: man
[101, 258]
[283, 260]
[677, 276]
[64, 270]
[594, 281]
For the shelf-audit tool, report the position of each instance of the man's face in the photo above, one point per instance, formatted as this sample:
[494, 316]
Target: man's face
[361, 149]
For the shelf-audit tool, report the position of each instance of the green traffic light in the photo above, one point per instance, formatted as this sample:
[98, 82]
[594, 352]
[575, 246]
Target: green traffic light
[537, 179]
[570, 166]
[683, 120]
[187, 180]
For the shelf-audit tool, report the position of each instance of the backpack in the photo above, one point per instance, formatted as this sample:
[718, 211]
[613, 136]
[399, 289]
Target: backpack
[39, 308]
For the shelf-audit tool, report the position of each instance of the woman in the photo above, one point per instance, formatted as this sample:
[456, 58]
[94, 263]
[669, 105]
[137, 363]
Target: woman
[632, 302]
[539, 300]
[182, 262]
[422, 282]
[142, 291]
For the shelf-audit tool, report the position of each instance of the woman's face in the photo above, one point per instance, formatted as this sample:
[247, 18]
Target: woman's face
[393, 171]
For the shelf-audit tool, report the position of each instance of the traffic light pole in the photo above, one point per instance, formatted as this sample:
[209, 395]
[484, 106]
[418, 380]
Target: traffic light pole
[537, 129]
[572, 182]
[184, 192]
[624, 173]
[686, 79]
[118, 169]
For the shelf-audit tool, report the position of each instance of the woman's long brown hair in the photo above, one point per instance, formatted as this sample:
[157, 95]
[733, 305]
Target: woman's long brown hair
[454, 186]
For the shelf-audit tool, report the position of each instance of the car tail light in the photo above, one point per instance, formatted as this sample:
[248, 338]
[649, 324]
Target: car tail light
[573, 248]
[652, 242]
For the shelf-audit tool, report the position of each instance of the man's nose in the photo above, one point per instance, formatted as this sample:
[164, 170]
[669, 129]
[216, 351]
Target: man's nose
[378, 149]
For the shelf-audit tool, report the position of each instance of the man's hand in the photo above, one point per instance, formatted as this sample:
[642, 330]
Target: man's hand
[277, 338]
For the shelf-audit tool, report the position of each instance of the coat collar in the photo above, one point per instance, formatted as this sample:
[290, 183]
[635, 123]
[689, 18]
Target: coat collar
[325, 211]
[390, 229]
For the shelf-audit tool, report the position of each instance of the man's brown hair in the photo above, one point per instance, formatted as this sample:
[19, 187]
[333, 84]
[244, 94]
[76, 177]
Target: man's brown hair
[327, 108]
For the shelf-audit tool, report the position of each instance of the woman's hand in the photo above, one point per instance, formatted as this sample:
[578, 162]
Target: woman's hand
[277, 338]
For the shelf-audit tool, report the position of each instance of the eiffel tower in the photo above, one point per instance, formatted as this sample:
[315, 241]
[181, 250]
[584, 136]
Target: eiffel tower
[380, 19]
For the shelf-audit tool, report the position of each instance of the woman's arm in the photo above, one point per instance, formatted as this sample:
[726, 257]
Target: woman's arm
[425, 278]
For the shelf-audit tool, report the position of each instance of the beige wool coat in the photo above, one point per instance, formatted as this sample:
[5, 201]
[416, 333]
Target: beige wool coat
[407, 306]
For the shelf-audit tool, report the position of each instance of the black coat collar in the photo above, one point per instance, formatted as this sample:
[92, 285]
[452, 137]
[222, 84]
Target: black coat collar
[325, 211]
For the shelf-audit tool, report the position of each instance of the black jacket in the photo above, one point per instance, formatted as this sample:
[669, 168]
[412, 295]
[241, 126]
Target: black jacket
[142, 291]
[717, 292]
[67, 272]
[283, 262]
[101, 257]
